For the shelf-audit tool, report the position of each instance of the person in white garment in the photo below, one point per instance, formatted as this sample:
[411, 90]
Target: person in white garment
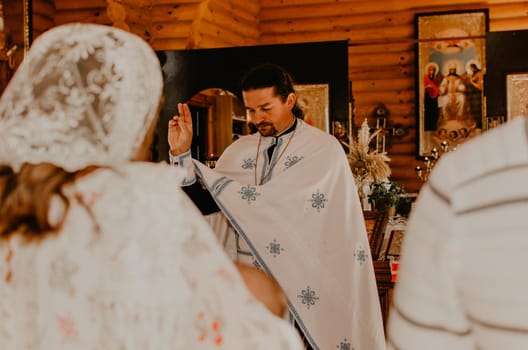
[289, 194]
[98, 250]
[461, 282]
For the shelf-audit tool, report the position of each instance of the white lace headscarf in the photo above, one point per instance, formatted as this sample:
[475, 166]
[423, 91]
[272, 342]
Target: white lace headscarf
[85, 95]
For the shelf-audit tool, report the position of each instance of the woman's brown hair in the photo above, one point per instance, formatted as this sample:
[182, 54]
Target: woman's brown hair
[25, 198]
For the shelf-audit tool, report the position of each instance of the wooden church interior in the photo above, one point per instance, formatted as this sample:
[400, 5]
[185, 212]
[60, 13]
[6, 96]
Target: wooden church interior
[365, 50]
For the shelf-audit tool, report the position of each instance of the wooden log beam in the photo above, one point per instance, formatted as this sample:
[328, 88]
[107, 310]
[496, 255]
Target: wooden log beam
[169, 44]
[245, 14]
[403, 148]
[366, 35]
[219, 16]
[44, 8]
[179, 2]
[387, 97]
[91, 4]
[378, 85]
[332, 23]
[335, 10]
[171, 30]
[492, 2]
[117, 13]
[509, 10]
[208, 41]
[380, 59]
[97, 16]
[170, 13]
[195, 36]
[79, 4]
[517, 23]
[305, 9]
[42, 23]
[132, 14]
[224, 34]
[360, 6]
[367, 48]
[389, 72]
[141, 30]
[248, 10]
[137, 3]
[420, 4]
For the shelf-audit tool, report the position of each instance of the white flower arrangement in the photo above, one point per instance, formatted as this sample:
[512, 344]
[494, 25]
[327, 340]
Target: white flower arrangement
[367, 165]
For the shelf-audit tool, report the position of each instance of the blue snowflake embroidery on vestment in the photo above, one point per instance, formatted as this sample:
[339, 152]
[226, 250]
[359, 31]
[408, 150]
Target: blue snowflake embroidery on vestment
[274, 248]
[344, 345]
[249, 193]
[291, 161]
[361, 255]
[248, 164]
[308, 297]
[318, 200]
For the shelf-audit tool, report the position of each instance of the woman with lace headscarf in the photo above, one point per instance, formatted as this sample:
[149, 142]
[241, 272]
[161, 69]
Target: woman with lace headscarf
[99, 252]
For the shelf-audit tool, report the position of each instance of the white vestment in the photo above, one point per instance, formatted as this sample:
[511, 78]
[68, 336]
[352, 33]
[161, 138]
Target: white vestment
[305, 227]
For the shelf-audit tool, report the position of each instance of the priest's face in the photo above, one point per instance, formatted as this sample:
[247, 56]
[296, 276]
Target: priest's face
[268, 111]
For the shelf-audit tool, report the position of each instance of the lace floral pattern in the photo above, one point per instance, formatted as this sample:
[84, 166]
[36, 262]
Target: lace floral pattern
[60, 104]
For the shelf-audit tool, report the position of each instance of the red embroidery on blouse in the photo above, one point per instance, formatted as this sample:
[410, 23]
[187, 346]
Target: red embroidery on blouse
[67, 327]
[225, 275]
[219, 340]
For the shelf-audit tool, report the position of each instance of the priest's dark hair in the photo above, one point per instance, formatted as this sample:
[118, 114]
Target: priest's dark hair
[271, 75]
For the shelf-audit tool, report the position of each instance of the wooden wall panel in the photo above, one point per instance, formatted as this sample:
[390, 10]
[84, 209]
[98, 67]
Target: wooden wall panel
[65, 5]
[171, 30]
[94, 15]
[380, 35]
[292, 25]
[43, 16]
[361, 34]
[225, 23]
[44, 8]
[227, 16]
[381, 53]
[174, 13]
[172, 24]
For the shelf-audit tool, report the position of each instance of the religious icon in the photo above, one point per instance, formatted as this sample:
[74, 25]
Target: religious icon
[451, 60]
[314, 102]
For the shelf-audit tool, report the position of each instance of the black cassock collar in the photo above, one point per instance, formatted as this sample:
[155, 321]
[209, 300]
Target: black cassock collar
[271, 148]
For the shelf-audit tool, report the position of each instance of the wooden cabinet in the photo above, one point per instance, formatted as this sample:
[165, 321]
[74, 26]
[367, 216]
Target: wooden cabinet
[381, 230]
[385, 287]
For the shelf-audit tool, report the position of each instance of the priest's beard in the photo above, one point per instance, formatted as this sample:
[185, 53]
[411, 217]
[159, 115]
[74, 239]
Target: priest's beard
[266, 128]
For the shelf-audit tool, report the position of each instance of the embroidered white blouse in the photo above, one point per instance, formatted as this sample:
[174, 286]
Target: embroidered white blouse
[136, 267]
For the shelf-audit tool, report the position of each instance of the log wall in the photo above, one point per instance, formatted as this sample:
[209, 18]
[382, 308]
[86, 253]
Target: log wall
[43, 16]
[380, 35]
[172, 24]
[381, 53]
